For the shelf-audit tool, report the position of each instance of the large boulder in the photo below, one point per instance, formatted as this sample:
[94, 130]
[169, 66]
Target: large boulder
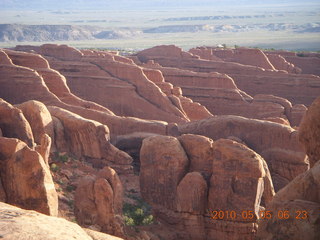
[88, 139]
[39, 119]
[163, 164]
[17, 223]
[25, 177]
[98, 201]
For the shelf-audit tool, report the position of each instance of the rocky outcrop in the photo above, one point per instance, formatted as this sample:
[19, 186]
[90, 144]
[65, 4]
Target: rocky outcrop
[87, 139]
[39, 119]
[98, 201]
[158, 155]
[246, 56]
[276, 143]
[55, 82]
[13, 124]
[34, 88]
[297, 88]
[181, 177]
[280, 63]
[26, 179]
[220, 95]
[309, 132]
[194, 110]
[21, 224]
[308, 63]
[113, 77]
[300, 202]
[300, 199]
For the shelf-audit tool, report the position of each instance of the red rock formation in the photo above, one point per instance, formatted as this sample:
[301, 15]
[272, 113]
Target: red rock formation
[221, 96]
[25, 178]
[297, 88]
[300, 200]
[277, 143]
[98, 201]
[33, 87]
[280, 63]
[123, 76]
[246, 56]
[88, 139]
[13, 124]
[309, 132]
[172, 181]
[308, 64]
[39, 118]
[193, 110]
[301, 197]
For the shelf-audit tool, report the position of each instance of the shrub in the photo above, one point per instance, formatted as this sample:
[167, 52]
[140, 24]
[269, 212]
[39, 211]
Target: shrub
[137, 214]
[54, 167]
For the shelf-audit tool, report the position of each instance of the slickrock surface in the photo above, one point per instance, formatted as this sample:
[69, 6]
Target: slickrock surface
[277, 143]
[19, 224]
[181, 195]
[98, 201]
[297, 88]
[26, 179]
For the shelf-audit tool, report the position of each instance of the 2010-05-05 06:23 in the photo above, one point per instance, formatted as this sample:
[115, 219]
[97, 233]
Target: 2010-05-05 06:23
[262, 214]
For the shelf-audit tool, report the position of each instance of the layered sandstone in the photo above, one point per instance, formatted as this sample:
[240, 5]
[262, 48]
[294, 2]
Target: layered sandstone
[34, 88]
[220, 95]
[113, 77]
[297, 88]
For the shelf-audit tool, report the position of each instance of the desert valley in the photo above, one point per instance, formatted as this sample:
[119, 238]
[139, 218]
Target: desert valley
[159, 141]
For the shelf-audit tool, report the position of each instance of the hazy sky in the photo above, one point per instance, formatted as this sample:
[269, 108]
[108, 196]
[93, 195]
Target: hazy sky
[138, 4]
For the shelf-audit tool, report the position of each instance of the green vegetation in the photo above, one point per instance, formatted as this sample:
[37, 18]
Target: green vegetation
[137, 214]
[54, 167]
[57, 157]
[70, 188]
